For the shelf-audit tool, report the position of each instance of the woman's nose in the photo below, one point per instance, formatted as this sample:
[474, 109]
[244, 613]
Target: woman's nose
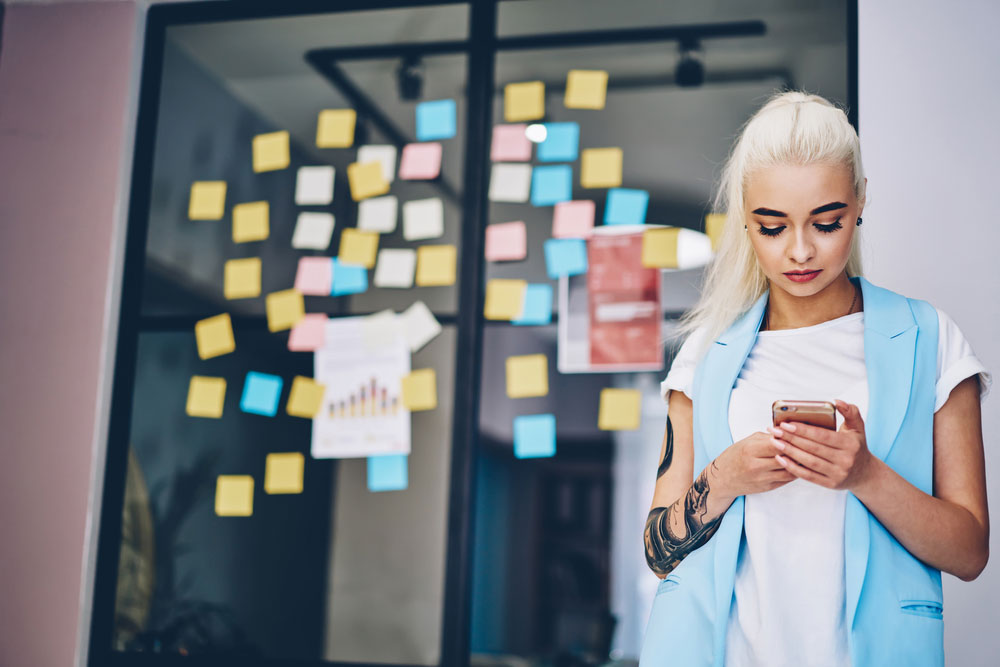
[801, 250]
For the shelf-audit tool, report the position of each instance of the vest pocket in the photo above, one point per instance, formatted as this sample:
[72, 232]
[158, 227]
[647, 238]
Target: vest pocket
[928, 608]
[670, 583]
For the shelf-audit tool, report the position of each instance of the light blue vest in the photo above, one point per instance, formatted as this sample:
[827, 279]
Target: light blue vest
[893, 600]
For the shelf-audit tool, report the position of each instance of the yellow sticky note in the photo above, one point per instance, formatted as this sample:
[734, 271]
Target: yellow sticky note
[366, 180]
[527, 375]
[358, 247]
[601, 168]
[504, 299]
[250, 221]
[586, 89]
[659, 248]
[208, 200]
[436, 265]
[234, 495]
[283, 472]
[523, 101]
[242, 278]
[206, 396]
[620, 410]
[305, 398]
[284, 309]
[335, 128]
[714, 222]
[270, 151]
[214, 336]
[420, 390]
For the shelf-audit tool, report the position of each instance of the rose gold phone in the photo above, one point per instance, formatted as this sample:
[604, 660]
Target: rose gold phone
[817, 413]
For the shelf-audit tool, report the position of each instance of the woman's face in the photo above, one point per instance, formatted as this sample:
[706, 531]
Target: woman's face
[802, 219]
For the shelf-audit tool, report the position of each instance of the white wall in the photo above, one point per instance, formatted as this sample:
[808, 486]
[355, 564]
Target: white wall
[930, 136]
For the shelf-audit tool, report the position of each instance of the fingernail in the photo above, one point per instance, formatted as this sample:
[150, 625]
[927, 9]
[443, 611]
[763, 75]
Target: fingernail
[779, 444]
[788, 427]
[780, 459]
[775, 431]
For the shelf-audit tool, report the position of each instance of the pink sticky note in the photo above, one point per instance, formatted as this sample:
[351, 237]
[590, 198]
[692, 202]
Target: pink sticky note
[506, 241]
[573, 219]
[314, 276]
[510, 144]
[420, 162]
[309, 333]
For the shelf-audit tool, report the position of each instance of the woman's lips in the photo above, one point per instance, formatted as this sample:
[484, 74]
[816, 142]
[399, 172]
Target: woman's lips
[803, 277]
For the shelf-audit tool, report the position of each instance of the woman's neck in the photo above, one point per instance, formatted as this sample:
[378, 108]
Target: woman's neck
[785, 311]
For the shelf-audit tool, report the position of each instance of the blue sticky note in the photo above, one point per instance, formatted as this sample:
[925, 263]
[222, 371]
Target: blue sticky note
[261, 392]
[562, 141]
[626, 207]
[551, 185]
[387, 472]
[565, 257]
[436, 120]
[534, 436]
[348, 279]
[537, 305]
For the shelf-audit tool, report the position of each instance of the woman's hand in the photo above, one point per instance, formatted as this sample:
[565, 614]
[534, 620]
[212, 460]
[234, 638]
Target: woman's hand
[834, 459]
[749, 466]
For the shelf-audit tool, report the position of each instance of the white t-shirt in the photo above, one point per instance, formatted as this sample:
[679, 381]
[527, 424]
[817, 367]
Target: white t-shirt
[788, 604]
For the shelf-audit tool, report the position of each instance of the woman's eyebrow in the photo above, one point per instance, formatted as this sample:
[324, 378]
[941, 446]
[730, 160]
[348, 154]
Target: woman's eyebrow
[832, 206]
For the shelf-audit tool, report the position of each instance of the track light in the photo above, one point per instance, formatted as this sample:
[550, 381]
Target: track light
[410, 78]
[690, 71]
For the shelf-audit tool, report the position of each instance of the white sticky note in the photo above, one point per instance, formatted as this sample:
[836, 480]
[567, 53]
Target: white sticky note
[395, 267]
[510, 182]
[378, 214]
[314, 186]
[418, 325]
[380, 329]
[313, 231]
[382, 153]
[423, 219]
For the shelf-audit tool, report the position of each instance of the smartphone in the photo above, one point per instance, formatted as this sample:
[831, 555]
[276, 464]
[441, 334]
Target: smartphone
[817, 413]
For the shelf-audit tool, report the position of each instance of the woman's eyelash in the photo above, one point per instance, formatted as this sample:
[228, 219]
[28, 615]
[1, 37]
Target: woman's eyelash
[826, 229]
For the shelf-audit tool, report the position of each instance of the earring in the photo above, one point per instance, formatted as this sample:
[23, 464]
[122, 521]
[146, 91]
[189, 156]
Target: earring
[744, 226]
[859, 222]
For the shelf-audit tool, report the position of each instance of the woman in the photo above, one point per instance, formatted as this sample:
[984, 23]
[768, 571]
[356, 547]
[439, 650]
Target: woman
[801, 545]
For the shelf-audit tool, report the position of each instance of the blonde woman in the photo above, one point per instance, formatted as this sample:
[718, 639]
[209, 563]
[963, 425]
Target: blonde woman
[801, 545]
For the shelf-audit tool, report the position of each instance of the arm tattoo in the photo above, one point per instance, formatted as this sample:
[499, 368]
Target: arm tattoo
[668, 454]
[665, 548]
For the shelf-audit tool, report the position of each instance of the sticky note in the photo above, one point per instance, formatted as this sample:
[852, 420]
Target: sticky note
[586, 89]
[312, 231]
[250, 221]
[510, 143]
[207, 200]
[214, 336]
[527, 375]
[562, 142]
[270, 151]
[395, 268]
[366, 180]
[420, 390]
[309, 334]
[420, 162]
[380, 330]
[620, 409]
[358, 248]
[437, 119]
[659, 248]
[510, 182]
[261, 392]
[626, 207]
[504, 298]
[506, 241]
[335, 128]
[436, 265]
[284, 309]
[423, 219]
[384, 154]
[206, 396]
[573, 219]
[601, 168]
[234, 495]
[537, 308]
[378, 214]
[418, 324]
[241, 278]
[348, 279]
[305, 398]
[551, 184]
[565, 257]
[534, 436]
[523, 101]
[314, 276]
[387, 472]
[283, 472]
[314, 186]
[714, 224]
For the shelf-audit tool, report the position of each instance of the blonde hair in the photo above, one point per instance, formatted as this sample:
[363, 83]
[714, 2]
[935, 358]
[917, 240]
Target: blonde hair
[791, 128]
